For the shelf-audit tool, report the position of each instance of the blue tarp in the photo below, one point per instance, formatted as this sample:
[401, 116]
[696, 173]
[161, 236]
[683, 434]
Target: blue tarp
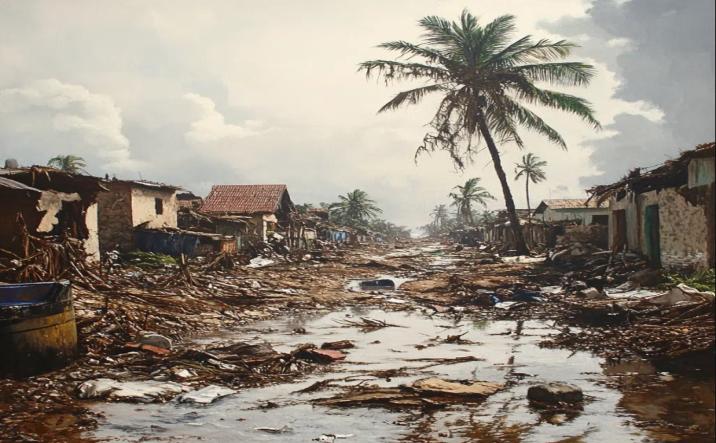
[170, 243]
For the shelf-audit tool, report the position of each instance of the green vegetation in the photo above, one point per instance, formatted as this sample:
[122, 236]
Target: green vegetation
[148, 259]
[484, 79]
[466, 195]
[701, 280]
[68, 163]
[531, 170]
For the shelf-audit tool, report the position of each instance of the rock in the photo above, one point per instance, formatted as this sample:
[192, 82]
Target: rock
[206, 395]
[591, 293]
[336, 345]
[437, 386]
[553, 393]
[647, 277]
[154, 339]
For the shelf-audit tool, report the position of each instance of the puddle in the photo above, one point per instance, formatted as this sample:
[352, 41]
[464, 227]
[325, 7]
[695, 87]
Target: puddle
[619, 407]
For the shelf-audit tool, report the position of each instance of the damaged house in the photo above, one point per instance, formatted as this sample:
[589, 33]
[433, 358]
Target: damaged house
[50, 202]
[128, 206]
[578, 210]
[666, 213]
[267, 208]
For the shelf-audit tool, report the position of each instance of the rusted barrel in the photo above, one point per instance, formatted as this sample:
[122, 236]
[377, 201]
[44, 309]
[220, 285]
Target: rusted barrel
[37, 327]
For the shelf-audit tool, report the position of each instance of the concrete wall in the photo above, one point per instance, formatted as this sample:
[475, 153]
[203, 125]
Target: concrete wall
[114, 213]
[91, 243]
[683, 227]
[583, 214]
[144, 207]
[683, 231]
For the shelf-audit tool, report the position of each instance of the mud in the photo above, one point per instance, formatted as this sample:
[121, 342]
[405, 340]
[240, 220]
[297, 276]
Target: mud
[440, 321]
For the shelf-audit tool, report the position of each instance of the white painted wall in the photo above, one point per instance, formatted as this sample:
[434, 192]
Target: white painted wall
[143, 208]
[91, 244]
[583, 214]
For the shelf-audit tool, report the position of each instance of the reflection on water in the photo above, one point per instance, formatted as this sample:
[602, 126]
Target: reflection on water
[626, 401]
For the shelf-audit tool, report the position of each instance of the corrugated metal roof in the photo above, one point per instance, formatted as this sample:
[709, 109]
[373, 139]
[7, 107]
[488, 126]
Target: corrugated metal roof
[6, 183]
[243, 199]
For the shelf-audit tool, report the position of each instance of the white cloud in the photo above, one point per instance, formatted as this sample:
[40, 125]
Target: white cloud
[210, 125]
[49, 105]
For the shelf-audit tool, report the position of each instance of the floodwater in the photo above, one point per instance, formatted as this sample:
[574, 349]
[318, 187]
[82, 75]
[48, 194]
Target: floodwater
[625, 402]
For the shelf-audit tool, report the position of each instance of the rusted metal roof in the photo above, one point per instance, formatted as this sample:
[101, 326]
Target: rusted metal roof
[244, 199]
[6, 183]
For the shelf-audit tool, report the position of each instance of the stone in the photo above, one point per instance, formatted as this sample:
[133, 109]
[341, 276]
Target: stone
[591, 293]
[154, 339]
[437, 386]
[647, 277]
[553, 393]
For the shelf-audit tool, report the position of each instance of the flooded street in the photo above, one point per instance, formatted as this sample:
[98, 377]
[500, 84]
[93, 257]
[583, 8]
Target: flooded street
[625, 402]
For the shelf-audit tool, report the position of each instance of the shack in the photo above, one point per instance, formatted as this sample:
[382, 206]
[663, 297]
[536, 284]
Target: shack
[130, 204]
[578, 210]
[268, 207]
[50, 202]
[666, 213]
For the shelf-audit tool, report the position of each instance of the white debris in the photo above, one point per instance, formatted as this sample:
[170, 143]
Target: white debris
[330, 438]
[206, 395]
[259, 262]
[141, 391]
[282, 430]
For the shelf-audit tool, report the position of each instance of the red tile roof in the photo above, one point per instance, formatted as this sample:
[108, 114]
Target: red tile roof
[243, 199]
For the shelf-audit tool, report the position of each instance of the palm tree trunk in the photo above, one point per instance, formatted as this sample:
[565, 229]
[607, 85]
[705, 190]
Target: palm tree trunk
[529, 209]
[520, 244]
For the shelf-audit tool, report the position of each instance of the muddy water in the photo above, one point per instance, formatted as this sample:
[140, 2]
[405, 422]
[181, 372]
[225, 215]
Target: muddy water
[625, 403]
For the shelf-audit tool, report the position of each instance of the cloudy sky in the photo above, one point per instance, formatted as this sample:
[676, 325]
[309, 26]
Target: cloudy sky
[200, 93]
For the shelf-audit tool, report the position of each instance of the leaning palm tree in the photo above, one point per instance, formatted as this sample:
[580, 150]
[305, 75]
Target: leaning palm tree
[355, 208]
[68, 163]
[440, 215]
[531, 170]
[484, 80]
[465, 196]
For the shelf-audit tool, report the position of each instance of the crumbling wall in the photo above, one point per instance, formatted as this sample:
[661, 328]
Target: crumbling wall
[114, 214]
[684, 232]
[582, 214]
[91, 243]
[144, 208]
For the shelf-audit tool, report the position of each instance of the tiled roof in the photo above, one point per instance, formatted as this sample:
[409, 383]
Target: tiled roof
[569, 203]
[243, 199]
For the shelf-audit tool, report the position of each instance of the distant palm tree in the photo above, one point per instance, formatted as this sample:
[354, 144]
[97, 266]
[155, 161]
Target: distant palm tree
[484, 79]
[355, 208]
[531, 170]
[466, 195]
[68, 163]
[440, 215]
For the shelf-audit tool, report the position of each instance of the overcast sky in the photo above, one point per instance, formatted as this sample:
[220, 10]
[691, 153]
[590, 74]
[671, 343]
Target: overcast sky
[212, 92]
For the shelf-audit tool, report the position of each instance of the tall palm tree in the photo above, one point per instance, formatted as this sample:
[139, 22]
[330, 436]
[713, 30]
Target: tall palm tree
[484, 80]
[440, 215]
[467, 194]
[355, 208]
[68, 163]
[531, 170]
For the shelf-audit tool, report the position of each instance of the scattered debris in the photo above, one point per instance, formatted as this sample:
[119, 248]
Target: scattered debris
[206, 395]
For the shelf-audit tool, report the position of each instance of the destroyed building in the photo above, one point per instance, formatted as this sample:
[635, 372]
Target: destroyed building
[50, 202]
[579, 210]
[666, 213]
[268, 208]
[128, 205]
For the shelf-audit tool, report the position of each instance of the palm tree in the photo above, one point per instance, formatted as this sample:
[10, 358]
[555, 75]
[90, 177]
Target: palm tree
[68, 163]
[531, 170]
[355, 208]
[440, 215]
[484, 81]
[467, 194]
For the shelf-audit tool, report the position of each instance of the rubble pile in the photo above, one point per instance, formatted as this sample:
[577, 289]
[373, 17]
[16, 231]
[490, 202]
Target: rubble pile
[674, 325]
